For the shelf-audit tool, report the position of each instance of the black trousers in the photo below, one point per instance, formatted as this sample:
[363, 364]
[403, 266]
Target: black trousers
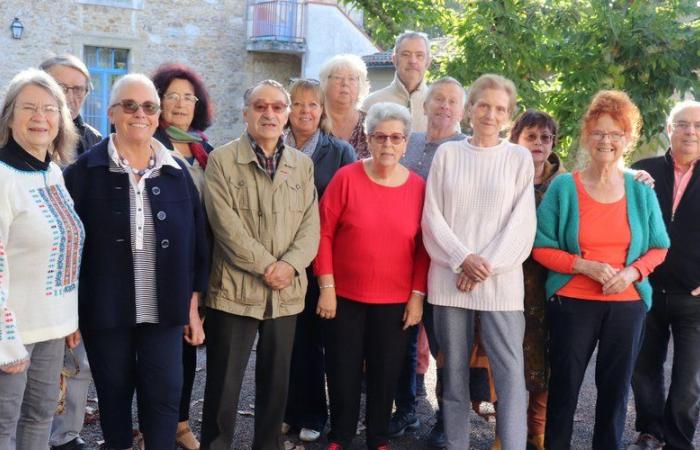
[307, 406]
[230, 340]
[363, 332]
[672, 419]
[576, 327]
[147, 359]
[189, 368]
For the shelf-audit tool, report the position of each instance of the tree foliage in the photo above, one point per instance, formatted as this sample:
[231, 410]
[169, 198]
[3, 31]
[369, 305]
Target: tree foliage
[561, 52]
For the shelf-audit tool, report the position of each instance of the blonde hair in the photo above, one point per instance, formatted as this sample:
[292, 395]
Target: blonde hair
[493, 81]
[346, 61]
[308, 85]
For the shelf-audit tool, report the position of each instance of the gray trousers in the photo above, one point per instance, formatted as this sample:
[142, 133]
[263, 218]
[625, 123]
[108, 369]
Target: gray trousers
[67, 426]
[502, 335]
[28, 400]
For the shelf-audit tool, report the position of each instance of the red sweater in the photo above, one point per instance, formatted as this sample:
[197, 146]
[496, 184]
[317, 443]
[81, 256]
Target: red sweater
[371, 238]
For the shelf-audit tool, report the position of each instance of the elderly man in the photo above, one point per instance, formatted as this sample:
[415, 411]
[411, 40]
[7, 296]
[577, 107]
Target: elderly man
[74, 78]
[411, 58]
[444, 109]
[676, 308]
[263, 210]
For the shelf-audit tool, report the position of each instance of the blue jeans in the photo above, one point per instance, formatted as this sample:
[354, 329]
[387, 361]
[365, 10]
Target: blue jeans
[576, 327]
[405, 396]
[672, 419]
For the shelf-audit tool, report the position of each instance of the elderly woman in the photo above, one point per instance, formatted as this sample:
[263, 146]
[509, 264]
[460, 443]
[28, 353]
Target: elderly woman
[600, 234]
[307, 408]
[186, 112]
[43, 239]
[444, 109]
[344, 84]
[478, 230]
[371, 269]
[145, 263]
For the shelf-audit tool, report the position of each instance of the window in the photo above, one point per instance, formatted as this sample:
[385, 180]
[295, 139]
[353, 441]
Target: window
[105, 66]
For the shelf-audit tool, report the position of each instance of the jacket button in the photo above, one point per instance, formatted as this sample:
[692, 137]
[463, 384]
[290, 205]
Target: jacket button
[241, 183]
[161, 215]
[298, 186]
[155, 190]
[165, 243]
[259, 213]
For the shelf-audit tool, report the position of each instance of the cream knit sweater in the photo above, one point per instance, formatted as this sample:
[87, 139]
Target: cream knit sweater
[479, 200]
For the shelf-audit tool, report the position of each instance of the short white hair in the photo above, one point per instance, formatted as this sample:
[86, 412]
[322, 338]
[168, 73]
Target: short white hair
[681, 106]
[346, 61]
[385, 111]
[129, 79]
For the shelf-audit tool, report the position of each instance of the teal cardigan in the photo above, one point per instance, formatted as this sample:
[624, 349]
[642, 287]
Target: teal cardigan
[558, 226]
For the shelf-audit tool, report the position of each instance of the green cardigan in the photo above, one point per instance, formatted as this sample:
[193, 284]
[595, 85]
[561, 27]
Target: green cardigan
[558, 226]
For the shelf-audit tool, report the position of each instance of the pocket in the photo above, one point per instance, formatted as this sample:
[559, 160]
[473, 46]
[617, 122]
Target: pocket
[295, 196]
[241, 194]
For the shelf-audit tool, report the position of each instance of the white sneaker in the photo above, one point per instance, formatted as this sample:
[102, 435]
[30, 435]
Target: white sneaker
[309, 435]
[285, 428]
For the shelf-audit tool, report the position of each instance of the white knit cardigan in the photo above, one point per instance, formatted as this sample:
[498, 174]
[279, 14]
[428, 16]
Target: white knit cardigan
[479, 200]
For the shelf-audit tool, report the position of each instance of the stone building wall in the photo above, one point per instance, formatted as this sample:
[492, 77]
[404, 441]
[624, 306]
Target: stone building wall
[209, 35]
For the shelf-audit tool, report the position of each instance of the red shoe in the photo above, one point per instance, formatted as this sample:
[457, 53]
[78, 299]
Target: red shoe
[383, 447]
[334, 446]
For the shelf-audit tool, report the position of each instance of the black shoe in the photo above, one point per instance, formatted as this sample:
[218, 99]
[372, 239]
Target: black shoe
[76, 444]
[436, 436]
[402, 422]
[420, 386]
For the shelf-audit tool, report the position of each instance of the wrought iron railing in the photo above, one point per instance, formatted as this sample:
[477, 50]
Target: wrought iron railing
[279, 20]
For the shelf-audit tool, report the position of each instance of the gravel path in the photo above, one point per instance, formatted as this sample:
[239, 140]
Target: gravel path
[482, 432]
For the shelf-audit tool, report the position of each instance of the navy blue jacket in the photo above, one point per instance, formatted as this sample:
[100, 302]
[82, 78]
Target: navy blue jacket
[106, 291]
[330, 155]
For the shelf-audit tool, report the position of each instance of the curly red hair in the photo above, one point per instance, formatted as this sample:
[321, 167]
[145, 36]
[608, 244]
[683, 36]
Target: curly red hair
[619, 106]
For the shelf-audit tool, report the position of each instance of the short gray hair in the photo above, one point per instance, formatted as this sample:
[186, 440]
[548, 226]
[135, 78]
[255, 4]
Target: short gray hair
[385, 111]
[447, 80]
[68, 60]
[346, 61]
[408, 34]
[63, 145]
[275, 84]
[129, 79]
[681, 106]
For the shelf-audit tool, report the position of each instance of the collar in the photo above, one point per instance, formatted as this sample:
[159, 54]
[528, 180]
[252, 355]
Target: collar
[246, 154]
[675, 165]
[162, 155]
[79, 122]
[398, 85]
[14, 155]
[254, 145]
[100, 156]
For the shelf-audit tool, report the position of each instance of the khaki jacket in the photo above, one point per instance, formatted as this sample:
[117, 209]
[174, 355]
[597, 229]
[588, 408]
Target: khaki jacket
[256, 222]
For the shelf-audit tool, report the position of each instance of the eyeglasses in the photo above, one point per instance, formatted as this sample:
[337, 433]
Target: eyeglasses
[352, 80]
[175, 97]
[46, 110]
[686, 126]
[131, 106]
[615, 136]
[544, 137]
[78, 91]
[381, 138]
[277, 107]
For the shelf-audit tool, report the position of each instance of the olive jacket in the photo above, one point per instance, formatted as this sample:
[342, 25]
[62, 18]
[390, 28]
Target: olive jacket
[257, 221]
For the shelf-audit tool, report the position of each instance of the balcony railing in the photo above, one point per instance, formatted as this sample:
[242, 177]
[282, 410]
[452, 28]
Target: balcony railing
[276, 25]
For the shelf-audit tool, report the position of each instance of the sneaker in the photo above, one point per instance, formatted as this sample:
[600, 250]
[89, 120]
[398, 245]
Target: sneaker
[309, 435]
[383, 447]
[334, 446]
[420, 386]
[402, 422]
[285, 428]
[646, 441]
[436, 436]
[496, 444]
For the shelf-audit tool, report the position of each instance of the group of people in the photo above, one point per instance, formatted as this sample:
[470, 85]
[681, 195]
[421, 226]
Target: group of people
[340, 234]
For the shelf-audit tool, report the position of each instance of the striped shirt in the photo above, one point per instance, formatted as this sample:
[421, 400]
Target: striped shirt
[143, 233]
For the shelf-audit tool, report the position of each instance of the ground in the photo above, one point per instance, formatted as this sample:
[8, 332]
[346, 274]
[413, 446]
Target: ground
[482, 432]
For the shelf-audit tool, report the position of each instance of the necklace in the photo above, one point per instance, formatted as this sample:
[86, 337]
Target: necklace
[135, 171]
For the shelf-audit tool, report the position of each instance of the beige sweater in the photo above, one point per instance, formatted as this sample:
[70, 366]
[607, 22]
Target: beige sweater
[396, 93]
[479, 200]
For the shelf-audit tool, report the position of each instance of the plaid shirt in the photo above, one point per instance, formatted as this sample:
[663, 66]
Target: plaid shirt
[268, 164]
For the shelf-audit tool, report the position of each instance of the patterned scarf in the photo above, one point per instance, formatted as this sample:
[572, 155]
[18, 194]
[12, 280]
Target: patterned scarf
[195, 139]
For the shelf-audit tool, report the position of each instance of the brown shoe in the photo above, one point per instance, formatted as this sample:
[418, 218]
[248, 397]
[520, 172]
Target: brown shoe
[535, 442]
[185, 438]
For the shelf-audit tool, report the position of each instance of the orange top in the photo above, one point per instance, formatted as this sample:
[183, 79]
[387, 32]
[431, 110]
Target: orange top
[604, 236]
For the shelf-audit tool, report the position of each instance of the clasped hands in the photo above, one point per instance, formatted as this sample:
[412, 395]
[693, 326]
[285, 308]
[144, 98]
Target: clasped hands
[475, 269]
[279, 275]
[613, 280]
